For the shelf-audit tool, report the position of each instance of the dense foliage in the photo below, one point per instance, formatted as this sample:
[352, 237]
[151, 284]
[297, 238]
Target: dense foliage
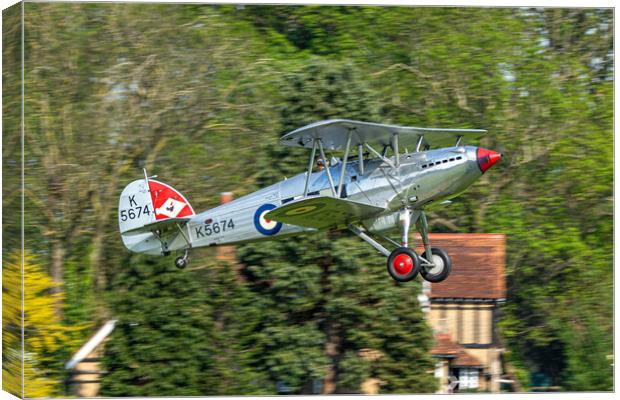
[47, 341]
[333, 302]
[199, 95]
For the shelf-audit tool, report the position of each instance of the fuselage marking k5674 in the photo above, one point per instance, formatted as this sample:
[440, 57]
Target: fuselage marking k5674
[211, 228]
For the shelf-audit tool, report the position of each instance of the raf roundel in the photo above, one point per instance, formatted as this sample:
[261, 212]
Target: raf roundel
[263, 225]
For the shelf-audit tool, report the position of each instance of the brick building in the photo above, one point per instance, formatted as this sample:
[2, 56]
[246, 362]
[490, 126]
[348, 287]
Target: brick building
[463, 312]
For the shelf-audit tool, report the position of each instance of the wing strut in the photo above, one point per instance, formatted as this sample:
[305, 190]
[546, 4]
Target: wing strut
[383, 158]
[344, 162]
[343, 169]
[360, 157]
[395, 149]
[310, 165]
[419, 144]
[329, 174]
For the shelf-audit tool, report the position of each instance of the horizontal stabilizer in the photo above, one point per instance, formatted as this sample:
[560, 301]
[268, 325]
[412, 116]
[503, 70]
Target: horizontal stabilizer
[161, 225]
[322, 212]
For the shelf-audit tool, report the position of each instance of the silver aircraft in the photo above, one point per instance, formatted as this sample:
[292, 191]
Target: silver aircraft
[374, 189]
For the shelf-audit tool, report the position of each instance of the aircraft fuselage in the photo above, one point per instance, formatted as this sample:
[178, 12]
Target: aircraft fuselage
[422, 179]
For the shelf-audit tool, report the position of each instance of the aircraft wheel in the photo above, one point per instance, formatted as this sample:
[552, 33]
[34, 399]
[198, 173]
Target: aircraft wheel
[403, 264]
[180, 262]
[442, 267]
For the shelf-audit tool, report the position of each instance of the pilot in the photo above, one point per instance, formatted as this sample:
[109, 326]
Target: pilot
[320, 164]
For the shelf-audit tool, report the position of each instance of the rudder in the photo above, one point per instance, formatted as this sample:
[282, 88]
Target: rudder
[144, 202]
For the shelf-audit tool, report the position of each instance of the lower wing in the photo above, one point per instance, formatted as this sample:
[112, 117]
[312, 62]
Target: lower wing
[322, 212]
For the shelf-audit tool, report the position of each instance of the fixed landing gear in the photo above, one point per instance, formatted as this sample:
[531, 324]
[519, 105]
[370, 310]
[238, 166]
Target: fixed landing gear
[182, 261]
[403, 263]
[440, 268]
[436, 264]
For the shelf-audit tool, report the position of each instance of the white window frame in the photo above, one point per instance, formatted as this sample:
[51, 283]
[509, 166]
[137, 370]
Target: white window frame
[468, 378]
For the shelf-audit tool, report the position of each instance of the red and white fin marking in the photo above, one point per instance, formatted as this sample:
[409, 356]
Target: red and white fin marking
[167, 202]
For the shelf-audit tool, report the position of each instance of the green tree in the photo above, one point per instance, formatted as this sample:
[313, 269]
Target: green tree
[162, 344]
[44, 335]
[325, 299]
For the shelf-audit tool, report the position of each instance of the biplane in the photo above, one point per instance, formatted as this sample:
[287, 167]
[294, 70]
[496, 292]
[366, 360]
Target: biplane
[382, 183]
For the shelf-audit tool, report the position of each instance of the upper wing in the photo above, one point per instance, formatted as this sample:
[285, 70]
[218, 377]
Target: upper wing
[322, 212]
[333, 134]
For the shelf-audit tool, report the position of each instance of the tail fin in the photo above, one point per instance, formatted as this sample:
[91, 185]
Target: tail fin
[147, 202]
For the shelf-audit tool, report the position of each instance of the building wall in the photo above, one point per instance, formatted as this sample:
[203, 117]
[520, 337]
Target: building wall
[467, 323]
[442, 371]
[85, 378]
[471, 325]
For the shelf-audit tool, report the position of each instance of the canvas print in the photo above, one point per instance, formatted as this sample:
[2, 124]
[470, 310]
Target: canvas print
[226, 200]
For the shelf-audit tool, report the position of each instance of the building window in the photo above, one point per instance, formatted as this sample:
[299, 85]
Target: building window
[477, 325]
[443, 320]
[439, 370]
[468, 378]
[459, 325]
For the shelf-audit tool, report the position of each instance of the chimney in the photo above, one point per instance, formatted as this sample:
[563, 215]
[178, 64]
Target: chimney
[226, 197]
[225, 253]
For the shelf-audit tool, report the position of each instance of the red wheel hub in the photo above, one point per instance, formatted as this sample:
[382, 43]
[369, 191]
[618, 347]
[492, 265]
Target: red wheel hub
[402, 264]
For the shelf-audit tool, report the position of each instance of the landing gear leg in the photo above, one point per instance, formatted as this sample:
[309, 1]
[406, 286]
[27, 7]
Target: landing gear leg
[182, 261]
[164, 245]
[404, 219]
[369, 240]
[422, 225]
[436, 263]
[403, 263]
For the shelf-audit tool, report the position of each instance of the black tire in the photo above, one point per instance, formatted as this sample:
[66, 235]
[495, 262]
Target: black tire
[180, 262]
[440, 272]
[403, 264]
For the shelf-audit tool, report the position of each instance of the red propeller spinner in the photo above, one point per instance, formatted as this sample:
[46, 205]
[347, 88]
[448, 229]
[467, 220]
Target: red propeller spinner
[486, 158]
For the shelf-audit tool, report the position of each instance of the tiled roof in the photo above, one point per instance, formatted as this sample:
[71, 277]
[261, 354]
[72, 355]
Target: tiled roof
[464, 359]
[478, 264]
[444, 347]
